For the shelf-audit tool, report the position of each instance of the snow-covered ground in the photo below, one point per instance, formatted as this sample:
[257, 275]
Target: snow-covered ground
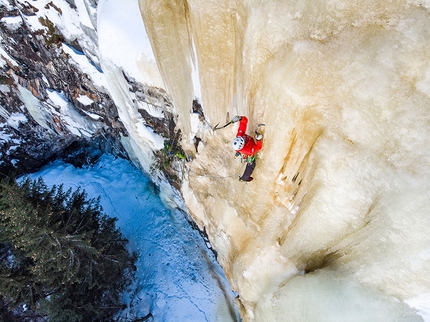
[178, 278]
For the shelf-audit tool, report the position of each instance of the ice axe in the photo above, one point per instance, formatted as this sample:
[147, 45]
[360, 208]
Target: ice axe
[219, 128]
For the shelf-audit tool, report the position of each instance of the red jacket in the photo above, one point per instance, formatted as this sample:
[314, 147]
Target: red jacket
[250, 147]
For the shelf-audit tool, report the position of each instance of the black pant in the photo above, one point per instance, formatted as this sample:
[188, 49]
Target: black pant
[248, 170]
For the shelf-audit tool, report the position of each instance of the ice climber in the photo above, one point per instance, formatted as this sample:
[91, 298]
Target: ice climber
[246, 147]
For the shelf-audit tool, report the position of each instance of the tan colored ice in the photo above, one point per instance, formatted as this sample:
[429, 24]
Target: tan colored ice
[337, 218]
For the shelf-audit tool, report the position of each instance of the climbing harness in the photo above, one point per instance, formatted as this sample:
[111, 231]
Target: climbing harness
[245, 158]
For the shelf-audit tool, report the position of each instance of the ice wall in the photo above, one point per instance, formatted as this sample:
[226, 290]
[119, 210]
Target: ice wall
[342, 187]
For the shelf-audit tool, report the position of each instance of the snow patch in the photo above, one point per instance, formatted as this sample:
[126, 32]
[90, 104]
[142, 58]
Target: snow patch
[85, 100]
[4, 137]
[93, 116]
[32, 105]
[70, 116]
[82, 62]
[15, 119]
[5, 56]
[148, 135]
[12, 23]
[151, 109]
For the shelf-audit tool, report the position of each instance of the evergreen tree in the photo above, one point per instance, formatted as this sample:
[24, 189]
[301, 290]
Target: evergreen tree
[59, 254]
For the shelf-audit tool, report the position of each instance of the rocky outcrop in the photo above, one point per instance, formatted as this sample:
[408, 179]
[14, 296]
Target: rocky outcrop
[35, 63]
[35, 67]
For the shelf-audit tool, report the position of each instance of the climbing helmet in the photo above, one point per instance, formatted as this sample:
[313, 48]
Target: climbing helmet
[238, 143]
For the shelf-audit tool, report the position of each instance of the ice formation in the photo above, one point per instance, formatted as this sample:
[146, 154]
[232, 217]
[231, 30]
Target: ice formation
[341, 197]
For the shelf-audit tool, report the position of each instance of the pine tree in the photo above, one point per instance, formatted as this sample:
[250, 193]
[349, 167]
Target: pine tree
[61, 255]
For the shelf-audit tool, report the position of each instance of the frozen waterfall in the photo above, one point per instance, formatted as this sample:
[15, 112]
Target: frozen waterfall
[337, 221]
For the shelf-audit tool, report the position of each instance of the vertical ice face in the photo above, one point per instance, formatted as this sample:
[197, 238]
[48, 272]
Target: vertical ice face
[166, 23]
[342, 183]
